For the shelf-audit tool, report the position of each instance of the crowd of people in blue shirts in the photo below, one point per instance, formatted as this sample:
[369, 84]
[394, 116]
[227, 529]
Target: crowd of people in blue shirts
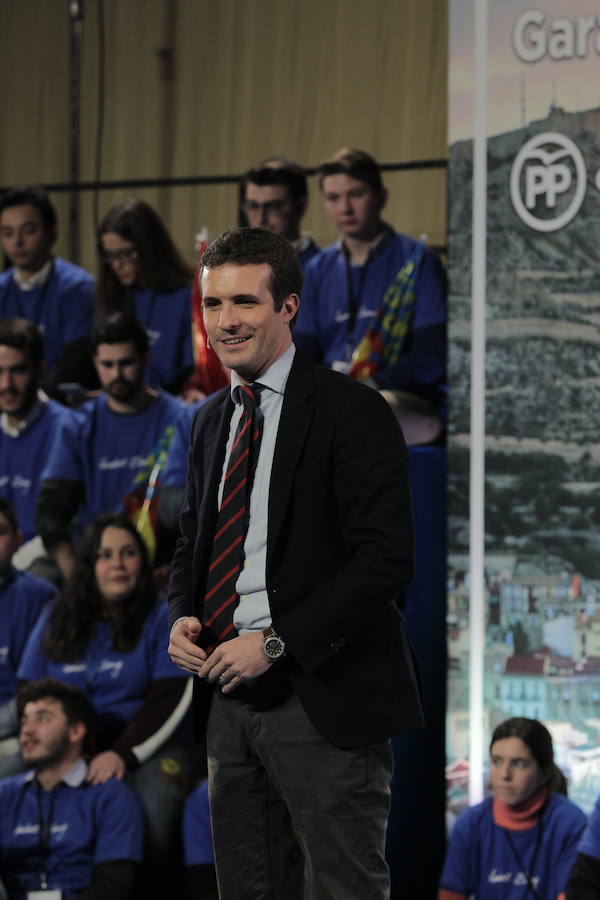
[99, 384]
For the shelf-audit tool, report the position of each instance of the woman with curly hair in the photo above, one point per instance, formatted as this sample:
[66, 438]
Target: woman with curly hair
[106, 633]
[520, 843]
[142, 272]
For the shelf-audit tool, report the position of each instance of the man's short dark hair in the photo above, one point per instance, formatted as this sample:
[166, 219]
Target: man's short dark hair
[120, 328]
[32, 195]
[354, 163]
[21, 334]
[75, 704]
[6, 510]
[278, 170]
[252, 247]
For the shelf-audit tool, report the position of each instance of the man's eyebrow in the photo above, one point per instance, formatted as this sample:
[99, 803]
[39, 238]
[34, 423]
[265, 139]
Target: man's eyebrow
[235, 298]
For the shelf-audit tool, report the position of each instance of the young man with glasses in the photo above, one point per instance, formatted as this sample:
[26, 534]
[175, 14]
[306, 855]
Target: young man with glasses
[276, 197]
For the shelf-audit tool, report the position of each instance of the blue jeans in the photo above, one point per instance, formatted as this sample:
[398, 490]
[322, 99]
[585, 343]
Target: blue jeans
[162, 783]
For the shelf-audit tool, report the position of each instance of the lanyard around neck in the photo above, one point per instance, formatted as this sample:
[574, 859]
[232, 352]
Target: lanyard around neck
[538, 842]
[45, 831]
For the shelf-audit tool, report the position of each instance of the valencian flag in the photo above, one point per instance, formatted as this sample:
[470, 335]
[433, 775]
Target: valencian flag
[383, 343]
[141, 503]
[209, 375]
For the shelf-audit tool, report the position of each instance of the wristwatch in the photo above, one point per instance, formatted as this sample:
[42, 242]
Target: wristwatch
[273, 645]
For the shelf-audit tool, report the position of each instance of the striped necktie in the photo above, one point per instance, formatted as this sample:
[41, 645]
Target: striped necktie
[227, 555]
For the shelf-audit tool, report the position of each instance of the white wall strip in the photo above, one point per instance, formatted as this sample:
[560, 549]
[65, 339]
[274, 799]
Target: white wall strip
[477, 464]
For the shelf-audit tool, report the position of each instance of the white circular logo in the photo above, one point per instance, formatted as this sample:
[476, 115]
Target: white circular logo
[547, 182]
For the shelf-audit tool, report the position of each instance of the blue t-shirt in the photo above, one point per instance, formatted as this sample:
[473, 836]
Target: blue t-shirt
[167, 319]
[89, 825]
[21, 461]
[322, 328]
[175, 470]
[197, 830]
[481, 861]
[105, 451]
[115, 682]
[307, 253]
[22, 599]
[61, 307]
[590, 842]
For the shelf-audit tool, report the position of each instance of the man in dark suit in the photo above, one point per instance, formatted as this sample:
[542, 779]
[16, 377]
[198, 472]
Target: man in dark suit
[315, 673]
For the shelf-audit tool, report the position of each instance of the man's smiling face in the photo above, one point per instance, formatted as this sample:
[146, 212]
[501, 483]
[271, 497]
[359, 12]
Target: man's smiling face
[245, 330]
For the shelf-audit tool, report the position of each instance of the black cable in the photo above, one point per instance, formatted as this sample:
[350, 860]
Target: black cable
[189, 180]
[100, 105]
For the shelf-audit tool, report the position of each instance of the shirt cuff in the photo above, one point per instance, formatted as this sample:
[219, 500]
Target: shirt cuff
[176, 622]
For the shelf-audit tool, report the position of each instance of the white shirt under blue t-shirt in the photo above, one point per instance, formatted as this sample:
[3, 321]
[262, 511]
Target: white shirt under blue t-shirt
[89, 824]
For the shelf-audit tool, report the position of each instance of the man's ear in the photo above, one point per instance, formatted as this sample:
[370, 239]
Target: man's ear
[383, 198]
[77, 732]
[53, 234]
[290, 307]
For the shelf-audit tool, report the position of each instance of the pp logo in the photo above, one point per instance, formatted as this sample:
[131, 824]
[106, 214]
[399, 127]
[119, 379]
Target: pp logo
[547, 182]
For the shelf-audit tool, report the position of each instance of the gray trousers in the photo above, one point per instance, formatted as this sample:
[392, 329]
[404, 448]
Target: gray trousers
[293, 816]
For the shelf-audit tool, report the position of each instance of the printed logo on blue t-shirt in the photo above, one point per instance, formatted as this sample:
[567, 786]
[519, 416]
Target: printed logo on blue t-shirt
[516, 878]
[18, 482]
[114, 666]
[153, 336]
[58, 831]
[122, 462]
[3, 655]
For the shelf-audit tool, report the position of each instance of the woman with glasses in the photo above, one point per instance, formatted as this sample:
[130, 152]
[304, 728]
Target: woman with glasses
[520, 843]
[141, 271]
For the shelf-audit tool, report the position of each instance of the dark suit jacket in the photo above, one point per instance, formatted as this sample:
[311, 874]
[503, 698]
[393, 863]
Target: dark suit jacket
[339, 551]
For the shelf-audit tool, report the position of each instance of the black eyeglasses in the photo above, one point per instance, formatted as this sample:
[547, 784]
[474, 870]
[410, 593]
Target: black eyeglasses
[271, 206]
[126, 254]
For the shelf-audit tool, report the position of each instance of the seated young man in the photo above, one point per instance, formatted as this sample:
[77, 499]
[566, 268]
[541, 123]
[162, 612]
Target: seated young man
[28, 424]
[59, 833]
[22, 599]
[108, 456]
[51, 292]
[276, 197]
[374, 303]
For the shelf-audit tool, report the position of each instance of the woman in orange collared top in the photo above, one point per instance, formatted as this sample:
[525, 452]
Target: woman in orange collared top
[520, 843]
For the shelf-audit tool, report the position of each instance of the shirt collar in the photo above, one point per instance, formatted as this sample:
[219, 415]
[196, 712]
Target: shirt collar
[275, 377]
[386, 231]
[302, 243]
[33, 414]
[73, 777]
[29, 284]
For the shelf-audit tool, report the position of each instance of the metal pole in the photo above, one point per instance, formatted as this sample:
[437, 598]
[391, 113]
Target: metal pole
[477, 473]
[75, 27]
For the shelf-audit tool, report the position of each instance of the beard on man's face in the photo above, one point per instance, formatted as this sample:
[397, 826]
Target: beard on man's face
[40, 754]
[124, 388]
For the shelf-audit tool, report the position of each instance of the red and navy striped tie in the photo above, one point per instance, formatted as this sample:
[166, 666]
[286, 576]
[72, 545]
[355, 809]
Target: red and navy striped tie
[227, 555]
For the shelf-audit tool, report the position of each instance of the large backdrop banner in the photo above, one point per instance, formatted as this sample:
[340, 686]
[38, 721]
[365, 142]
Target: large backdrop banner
[541, 446]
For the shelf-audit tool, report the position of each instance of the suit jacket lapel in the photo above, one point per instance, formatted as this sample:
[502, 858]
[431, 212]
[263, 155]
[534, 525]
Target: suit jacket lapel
[215, 431]
[296, 416]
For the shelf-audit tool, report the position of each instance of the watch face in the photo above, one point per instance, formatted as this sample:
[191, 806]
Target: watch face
[274, 647]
